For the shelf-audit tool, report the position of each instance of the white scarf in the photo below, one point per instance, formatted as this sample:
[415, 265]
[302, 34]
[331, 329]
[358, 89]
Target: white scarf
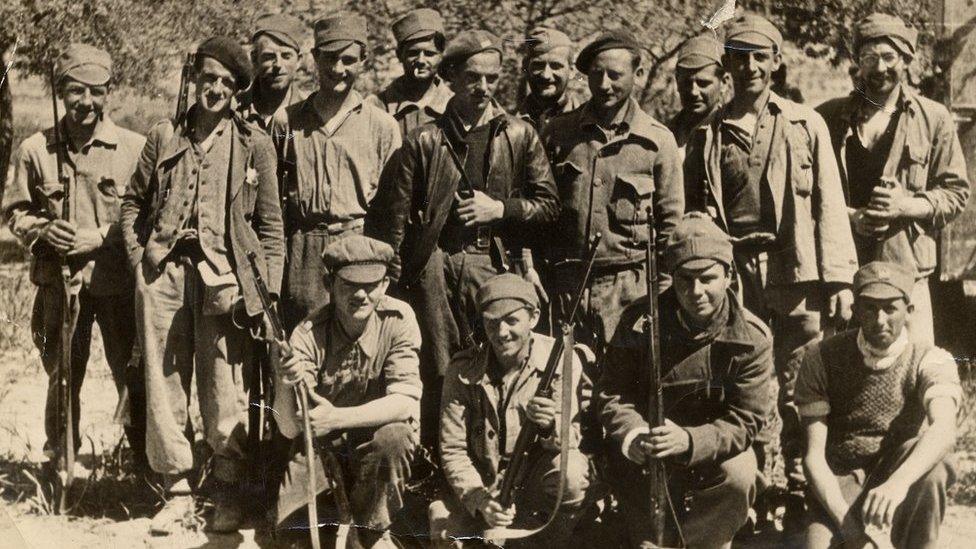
[881, 359]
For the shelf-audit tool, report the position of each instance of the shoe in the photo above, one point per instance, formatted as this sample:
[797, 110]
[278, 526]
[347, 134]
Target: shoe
[227, 518]
[178, 512]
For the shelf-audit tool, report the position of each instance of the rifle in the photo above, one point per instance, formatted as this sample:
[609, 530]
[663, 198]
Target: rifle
[182, 101]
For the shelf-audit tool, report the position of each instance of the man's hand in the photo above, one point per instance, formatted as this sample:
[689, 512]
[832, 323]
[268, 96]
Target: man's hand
[866, 224]
[60, 234]
[889, 202]
[542, 412]
[325, 417]
[880, 504]
[86, 240]
[533, 276]
[667, 440]
[497, 516]
[293, 371]
[839, 302]
[480, 209]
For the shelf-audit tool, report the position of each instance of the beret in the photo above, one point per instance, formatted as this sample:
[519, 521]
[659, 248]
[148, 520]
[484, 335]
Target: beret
[286, 29]
[231, 55]
[417, 24]
[542, 40]
[884, 280]
[358, 258]
[336, 32]
[609, 40]
[696, 242]
[86, 64]
[466, 44]
[700, 51]
[754, 30]
[880, 25]
[504, 293]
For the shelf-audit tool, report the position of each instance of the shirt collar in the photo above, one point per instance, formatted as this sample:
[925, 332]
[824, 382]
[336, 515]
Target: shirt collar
[352, 102]
[619, 126]
[435, 98]
[368, 340]
[882, 359]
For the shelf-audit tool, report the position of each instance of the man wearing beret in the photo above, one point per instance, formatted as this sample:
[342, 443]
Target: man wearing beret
[419, 95]
[276, 52]
[612, 161]
[547, 62]
[902, 168]
[99, 159]
[335, 147]
[716, 361]
[875, 473]
[702, 84]
[474, 175]
[204, 195]
[359, 357]
[489, 393]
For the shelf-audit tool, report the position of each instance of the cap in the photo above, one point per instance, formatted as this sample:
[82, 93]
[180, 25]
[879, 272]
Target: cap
[884, 280]
[542, 40]
[466, 44]
[417, 24]
[231, 55]
[880, 25]
[358, 259]
[504, 293]
[700, 51]
[286, 29]
[336, 32]
[86, 64]
[754, 30]
[610, 40]
[696, 242]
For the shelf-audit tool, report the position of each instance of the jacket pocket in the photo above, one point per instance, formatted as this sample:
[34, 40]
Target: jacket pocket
[801, 170]
[631, 196]
[566, 174]
[916, 165]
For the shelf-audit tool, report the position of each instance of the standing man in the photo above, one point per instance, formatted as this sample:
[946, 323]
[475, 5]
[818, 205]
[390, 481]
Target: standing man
[474, 174]
[276, 52]
[716, 362]
[99, 159]
[547, 63]
[702, 84]
[203, 196]
[419, 95]
[902, 168]
[336, 145]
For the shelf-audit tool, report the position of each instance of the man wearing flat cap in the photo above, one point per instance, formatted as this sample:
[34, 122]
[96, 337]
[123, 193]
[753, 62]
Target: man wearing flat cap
[489, 395]
[547, 63]
[335, 145]
[702, 84]
[879, 408]
[612, 161]
[475, 175]
[716, 361]
[419, 95]
[359, 357]
[901, 164]
[99, 159]
[204, 195]
[276, 52]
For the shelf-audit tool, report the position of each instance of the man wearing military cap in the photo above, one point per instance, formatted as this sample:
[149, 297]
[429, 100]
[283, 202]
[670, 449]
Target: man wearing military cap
[203, 196]
[419, 95]
[716, 361]
[335, 145]
[902, 167]
[702, 84]
[547, 62]
[875, 473]
[276, 52]
[489, 393]
[359, 355]
[100, 158]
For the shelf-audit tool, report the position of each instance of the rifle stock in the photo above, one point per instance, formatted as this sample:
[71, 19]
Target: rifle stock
[182, 101]
[655, 405]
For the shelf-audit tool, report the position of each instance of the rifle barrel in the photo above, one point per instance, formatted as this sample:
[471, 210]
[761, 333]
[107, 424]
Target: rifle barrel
[655, 405]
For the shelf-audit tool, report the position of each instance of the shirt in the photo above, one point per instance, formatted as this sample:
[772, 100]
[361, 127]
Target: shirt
[410, 111]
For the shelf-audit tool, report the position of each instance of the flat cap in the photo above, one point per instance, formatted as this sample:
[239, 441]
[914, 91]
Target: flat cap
[695, 243]
[337, 31]
[753, 30]
[609, 40]
[231, 55]
[358, 259]
[504, 293]
[285, 29]
[881, 25]
[700, 51]
[466, 44]
[416, 24]
[884, 280]
[86, 64]
[542, 40]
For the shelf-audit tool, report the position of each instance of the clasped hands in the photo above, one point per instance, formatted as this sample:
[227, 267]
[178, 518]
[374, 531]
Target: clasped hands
[67, 239]
[663, 441]
[889, 202]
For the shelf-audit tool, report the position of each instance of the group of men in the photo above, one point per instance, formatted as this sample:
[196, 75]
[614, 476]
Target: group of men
[420, 241]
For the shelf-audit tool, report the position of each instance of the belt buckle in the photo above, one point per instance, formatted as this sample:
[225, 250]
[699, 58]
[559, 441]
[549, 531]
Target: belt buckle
[483, 241]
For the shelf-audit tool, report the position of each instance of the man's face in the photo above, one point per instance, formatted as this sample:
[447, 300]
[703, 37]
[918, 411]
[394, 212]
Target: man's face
[702, 292]
[611, 78]
[510, 334]
[274, 63]
[83, 104]
[355, 301]
[700, 90]
[474, 81]
[751, 68]
[881, 320]
[880, 67]
[215, 85]
[548, 73]
[339, 69]
[420, 59]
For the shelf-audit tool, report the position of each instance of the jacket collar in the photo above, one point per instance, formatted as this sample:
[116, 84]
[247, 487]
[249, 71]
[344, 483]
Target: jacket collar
[475, 372]
[635, 122]
[736, 330]
[434, 100]
[105, 133]
[368, 341]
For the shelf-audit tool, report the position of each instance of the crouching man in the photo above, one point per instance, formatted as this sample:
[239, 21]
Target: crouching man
[359, 353]
[489, 392]
[715, 362]
[876, 475]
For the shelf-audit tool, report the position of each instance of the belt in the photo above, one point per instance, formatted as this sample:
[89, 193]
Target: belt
[331, 229]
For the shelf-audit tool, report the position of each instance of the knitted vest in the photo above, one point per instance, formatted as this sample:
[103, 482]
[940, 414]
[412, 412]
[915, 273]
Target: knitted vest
[871, 411]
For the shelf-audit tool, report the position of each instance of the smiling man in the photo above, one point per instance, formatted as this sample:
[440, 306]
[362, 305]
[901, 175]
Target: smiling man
[702, 84]
[276, 52]
[547, 64]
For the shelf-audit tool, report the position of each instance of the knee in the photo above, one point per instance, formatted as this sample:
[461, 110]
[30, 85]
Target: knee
[739, 475]
[393, 443]
[577, 479]
[936, 481]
